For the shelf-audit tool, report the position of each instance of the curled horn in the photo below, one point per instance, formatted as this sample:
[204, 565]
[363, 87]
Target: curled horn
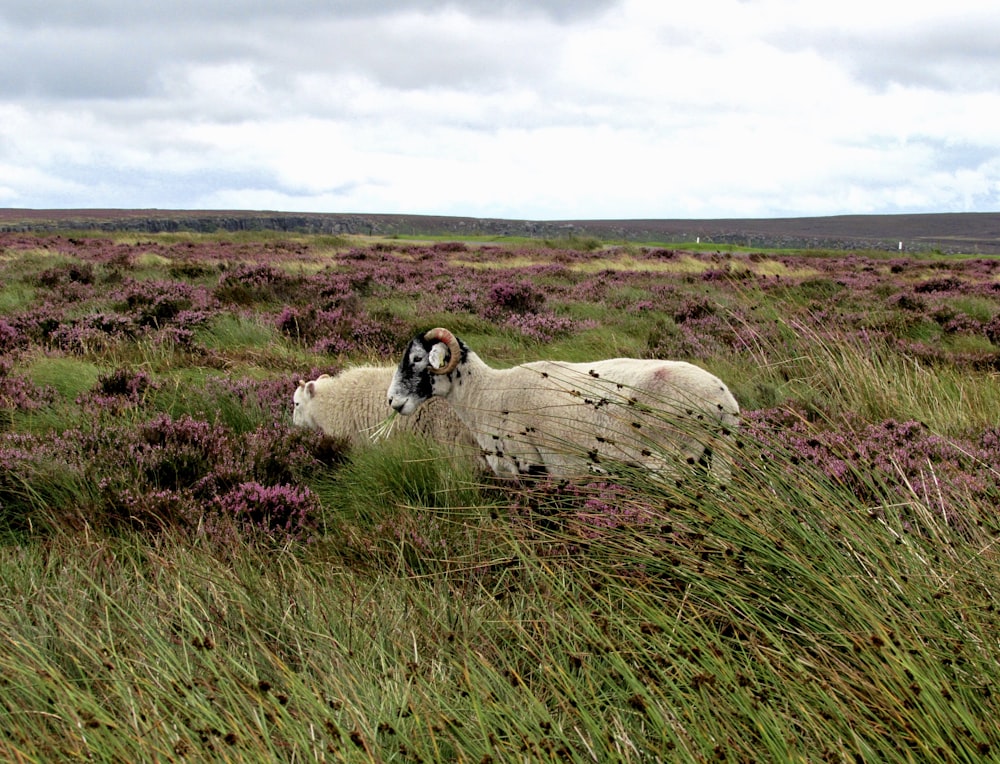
[443, 335]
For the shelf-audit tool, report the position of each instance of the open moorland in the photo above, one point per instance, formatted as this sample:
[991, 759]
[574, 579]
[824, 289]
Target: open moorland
[977, 233]
[186, 576]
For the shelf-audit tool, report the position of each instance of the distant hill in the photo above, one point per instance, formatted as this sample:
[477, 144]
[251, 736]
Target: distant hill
[971, 232]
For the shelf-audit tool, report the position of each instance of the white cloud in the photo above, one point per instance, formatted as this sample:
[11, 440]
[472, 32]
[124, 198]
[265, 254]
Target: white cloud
[607, 109]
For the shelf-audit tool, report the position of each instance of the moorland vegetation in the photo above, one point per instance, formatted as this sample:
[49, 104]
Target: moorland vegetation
[185, 576]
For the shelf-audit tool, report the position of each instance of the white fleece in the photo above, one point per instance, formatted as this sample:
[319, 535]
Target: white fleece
[570, 419]
[352, 405]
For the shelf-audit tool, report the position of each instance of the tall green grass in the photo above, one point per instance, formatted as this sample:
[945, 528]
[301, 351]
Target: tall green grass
[782, 621]
[867, 378]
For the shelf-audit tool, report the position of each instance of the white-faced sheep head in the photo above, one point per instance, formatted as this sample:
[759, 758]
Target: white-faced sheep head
[301, 416]
[301, 395]
[426, 369]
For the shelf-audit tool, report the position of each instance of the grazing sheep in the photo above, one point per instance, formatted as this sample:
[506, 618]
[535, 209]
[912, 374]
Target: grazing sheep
[352, 405]
[569, 419]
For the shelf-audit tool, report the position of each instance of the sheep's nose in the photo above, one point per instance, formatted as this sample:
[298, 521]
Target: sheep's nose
[397, 404]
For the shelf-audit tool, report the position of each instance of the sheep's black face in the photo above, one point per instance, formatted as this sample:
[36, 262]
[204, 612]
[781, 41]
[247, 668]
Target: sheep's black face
[413, 383]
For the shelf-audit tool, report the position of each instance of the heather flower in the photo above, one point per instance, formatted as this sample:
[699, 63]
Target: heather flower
[934, 354]
[19, 394]
[341, 330]
[249, 284]
[944, 284]
[992, 330]
[694, 338]
[118, 389]
[312, 325]
[189, 320]
[961, 323]
[901, 456]
[288, 323]
[80, 273]
[728, 273]
[658, 253]
[154, 510]
[461, 301]
[37, 324]
[610, 506]
[693, 310]
[10, 338]
[178, 453]
[280, 453]
[545, 327]
[505, 296]
[155, 303]
[582, 511]
[93, 333]
[266, 394]
[596, 288]
[908, 301]
[334, 346]
[641, 306]
[176, 337]
[450, 246]
[278, 510]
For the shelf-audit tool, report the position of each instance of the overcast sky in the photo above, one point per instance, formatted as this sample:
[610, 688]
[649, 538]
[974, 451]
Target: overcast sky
[528, 109]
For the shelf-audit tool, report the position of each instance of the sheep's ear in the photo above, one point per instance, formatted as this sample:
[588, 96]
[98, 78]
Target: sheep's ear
[302, 383]
[310, 389]
[438, 356]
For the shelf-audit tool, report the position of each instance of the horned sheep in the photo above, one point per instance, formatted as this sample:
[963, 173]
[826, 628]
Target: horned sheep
[351, 405]
[572, 419]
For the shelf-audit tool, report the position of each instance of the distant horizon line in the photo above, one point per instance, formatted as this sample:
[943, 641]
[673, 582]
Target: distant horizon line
[265, 211]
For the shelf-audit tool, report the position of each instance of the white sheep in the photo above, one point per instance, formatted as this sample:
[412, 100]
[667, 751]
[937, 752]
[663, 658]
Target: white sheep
[571, 419]
[352, 405]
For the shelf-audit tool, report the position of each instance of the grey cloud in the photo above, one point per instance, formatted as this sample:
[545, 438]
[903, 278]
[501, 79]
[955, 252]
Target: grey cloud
[964, 61]
[955, 157]
[68, 13]
[96, 66]
[124, 51]
[101, 63]
[422, 58]
[958, 55]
